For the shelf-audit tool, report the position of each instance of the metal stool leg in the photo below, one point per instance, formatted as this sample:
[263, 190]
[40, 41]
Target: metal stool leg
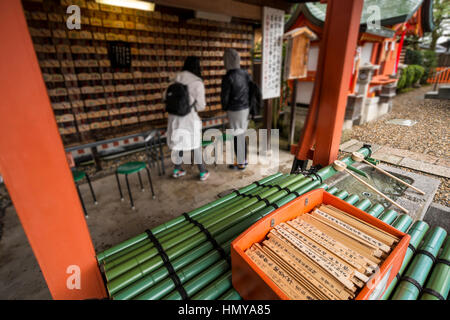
[161, 153]
[92, 190]
[155, 156]
[120, 189]
[129, 192]
[150, 181]
[82, 202]
[140, 180]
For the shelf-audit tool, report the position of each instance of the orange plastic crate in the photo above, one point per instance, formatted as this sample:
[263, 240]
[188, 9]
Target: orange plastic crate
[251, 282]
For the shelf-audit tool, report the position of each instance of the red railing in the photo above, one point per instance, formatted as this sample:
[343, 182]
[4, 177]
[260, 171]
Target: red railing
[440, 75]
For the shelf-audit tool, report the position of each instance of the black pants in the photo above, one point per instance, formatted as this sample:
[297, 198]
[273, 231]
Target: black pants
[197, 157]
[240, 144]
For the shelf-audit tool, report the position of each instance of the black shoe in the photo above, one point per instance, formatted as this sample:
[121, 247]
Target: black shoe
[232, 166]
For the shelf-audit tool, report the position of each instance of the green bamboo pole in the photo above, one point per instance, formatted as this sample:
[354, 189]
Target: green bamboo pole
[438, 285]
[375, 210]
[361, 173]
[363, 204]
[402, 223]
[231, 294]
[388, 216]
[310, 186]
[115, 268]
[143, 236]
[420, 266]
[352, 199]
[154, 277]
[216, 288]
[342, 194]
[329, 171]
[417, 232]
[200, 281]
[333, 190]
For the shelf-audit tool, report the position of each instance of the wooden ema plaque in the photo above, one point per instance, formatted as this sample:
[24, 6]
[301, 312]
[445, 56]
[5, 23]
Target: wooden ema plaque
[317, 247]
[296, 59]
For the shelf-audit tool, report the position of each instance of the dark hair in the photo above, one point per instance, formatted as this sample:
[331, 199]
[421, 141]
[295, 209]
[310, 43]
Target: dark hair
[192, 64]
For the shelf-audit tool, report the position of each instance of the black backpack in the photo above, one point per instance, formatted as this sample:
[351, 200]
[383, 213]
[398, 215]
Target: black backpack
[255, 98]
[177, 99]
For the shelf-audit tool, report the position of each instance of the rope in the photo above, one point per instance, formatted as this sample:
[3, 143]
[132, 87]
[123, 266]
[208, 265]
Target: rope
[172, 274]
[210, 238]
[429, 255]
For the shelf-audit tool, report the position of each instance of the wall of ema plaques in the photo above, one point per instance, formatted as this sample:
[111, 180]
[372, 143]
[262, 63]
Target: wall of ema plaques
[93, 100]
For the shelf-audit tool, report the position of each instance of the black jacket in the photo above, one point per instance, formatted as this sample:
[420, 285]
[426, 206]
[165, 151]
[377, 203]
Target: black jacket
[235, 90]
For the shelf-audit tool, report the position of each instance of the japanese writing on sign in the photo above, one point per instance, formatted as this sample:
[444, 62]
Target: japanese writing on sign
[272, 42]
[119, 54]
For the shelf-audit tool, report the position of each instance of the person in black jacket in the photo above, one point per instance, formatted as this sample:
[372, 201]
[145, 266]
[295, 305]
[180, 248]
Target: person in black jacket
[235, 100]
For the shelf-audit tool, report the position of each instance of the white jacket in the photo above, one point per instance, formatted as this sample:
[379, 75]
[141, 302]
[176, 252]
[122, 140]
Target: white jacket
[185, 132]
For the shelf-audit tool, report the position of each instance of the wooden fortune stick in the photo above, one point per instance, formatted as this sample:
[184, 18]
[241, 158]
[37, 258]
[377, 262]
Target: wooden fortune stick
[356, 156]
[341, 166]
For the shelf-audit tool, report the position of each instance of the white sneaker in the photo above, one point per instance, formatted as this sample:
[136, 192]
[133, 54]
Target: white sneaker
[178, 173]
[204, 176]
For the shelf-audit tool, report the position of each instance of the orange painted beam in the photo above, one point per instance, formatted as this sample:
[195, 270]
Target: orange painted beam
[307, 137]
[322, 130]
[337, 68]
[35, 168]
[341, 43]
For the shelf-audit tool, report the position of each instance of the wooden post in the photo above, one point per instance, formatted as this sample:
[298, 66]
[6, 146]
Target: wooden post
[323, 127]
[341, 45]
[293, 105]
[36, 172]
[268, 106]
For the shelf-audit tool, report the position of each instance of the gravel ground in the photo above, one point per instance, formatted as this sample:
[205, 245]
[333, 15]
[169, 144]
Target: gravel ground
[430, 135]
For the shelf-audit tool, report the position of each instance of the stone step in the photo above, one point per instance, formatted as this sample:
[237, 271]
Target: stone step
[437, 95]
[444, 92]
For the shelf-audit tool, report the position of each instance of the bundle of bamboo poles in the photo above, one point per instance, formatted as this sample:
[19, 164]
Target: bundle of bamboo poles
[411, 283]
[326, 254]
[199, 260]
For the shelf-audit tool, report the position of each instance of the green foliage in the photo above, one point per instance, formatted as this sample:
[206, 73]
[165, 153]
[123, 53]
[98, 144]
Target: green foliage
[441, 9]
[402, 80]
[413, 57]
[410, 75]
[429, 64]
[425, 58]
[418, 73]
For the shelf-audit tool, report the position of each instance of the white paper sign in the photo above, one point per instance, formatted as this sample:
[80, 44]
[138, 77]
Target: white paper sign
[272, 43]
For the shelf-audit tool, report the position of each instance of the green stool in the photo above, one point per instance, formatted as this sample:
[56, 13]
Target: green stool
[79, 175]
[129, 168]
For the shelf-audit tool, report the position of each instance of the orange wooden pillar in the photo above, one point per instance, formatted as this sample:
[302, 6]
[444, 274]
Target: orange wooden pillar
[35, 169]
[323, 129]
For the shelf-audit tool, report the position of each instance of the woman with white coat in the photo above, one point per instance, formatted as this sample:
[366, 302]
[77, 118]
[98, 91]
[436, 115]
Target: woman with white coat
[184, 133]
